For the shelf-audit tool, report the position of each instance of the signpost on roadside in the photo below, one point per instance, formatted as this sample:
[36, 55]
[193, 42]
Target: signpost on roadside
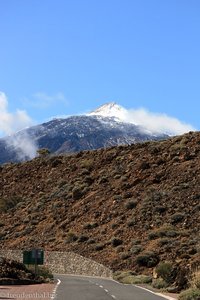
[33, 257]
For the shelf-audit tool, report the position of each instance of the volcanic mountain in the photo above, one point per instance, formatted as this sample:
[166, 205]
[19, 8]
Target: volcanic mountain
[102, 128]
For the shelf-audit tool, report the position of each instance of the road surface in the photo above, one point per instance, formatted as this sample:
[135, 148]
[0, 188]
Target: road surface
[90, 288]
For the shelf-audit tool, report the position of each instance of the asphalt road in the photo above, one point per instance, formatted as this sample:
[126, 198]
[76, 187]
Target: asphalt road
[90, 288]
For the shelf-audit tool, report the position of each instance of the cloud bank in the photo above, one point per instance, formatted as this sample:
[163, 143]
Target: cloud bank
[12, 122]
[150, 122]
[157, 122]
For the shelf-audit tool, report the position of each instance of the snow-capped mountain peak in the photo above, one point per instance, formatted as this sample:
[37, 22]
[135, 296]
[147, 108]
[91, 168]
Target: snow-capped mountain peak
[110, 109]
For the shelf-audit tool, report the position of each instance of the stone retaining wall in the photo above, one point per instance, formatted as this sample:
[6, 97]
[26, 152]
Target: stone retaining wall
[65, 263]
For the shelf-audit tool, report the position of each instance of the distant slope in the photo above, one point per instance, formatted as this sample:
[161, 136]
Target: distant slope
[70, 135]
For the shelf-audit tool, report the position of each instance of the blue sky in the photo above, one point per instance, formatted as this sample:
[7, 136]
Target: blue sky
[63, 57]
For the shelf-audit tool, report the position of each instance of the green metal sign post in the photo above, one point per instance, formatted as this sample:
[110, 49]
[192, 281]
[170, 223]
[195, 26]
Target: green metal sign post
[33, 257]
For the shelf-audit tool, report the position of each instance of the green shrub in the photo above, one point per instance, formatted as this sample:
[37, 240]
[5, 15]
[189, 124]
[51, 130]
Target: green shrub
[177, 217]
[136, 242]
[159, 283]
[195, 280]
[131, 222]
[91, 241]
[165, 271]
[87, 164]
[99, 247]
[147, 259]
[131, 204]
[119, 275]
[71, 237]
[164, 231]
[42, 271]
[114, 225]
[6, 204]
[141, 279]
[129, 277]
[136, 249]
[43, 152]
[83, 238]
[90, 225]
[159, 209]
[190, 294]
[153, 235]
[78, 191]
[164, 241]
[103, 179]
[116, 242]
[124, 255]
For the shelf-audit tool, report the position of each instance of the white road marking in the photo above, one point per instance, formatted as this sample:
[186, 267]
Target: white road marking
[55, 289]
[106, 290]
[157, 294]
[113, 296]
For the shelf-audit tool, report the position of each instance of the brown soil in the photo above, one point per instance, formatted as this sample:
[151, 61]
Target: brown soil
[111, 205]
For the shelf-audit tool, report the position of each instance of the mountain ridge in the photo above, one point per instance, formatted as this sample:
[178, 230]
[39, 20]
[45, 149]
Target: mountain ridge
[102, 128]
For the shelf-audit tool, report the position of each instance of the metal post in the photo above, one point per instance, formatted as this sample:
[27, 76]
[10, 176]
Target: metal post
[35, 250]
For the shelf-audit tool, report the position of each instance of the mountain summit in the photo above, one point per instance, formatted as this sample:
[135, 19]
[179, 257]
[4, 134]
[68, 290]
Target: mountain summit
[110, 109]
[102, 128]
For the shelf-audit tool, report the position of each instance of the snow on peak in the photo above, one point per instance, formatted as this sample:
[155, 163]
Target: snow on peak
[110, 109]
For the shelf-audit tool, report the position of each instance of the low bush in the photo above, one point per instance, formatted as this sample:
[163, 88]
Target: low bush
[159, 209]
[124, 255]
[165, 271]
[71, 237]
[131, 222]
[136, 249]
[195, 280]
[6, 204]
[87, 164]
[148, 259]
[79, 190]
[91, 241]
[90, 225]
[131, 204]
[177, 217]
[164, 241]
[83, 238]
[136, 242]
[190, 294]
[129, 277]
[42, 271]
[116, 242]
[159, 283]
[99, 247]
[164, 231]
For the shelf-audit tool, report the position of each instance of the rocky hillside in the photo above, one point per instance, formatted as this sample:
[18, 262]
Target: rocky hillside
[127, 207]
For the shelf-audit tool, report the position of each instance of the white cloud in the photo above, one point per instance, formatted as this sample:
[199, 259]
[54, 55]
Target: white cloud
[42, 100]
[157, 122]
[12, 122]
[24, 146]
[151, 122]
